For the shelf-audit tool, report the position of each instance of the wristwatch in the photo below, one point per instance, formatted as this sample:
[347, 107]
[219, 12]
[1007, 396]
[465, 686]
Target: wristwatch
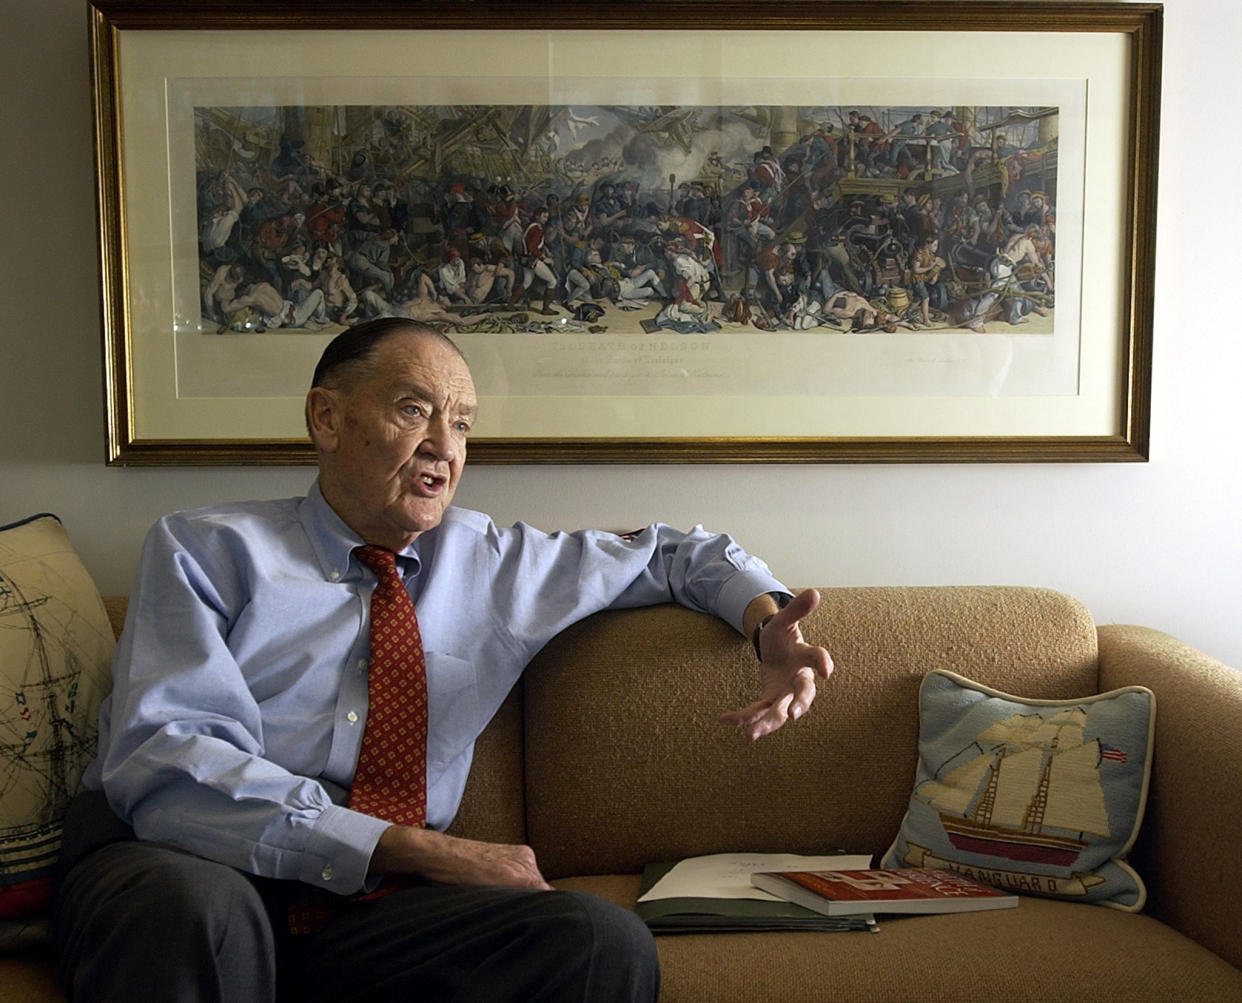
[782, 600]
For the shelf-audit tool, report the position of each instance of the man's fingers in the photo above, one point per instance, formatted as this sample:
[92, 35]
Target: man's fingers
[761, 718]
[801, 605]
[744, 715]
[803, 696]
[819, 660]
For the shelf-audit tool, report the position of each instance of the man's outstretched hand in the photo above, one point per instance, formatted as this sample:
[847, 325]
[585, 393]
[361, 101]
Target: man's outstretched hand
[787, 669]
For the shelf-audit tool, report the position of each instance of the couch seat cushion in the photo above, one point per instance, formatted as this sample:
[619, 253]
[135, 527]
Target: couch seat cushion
[29, 980]
[1043, 950]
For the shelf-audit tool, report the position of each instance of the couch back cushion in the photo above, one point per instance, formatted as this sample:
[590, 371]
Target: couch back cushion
[493, 806]
[626, 762]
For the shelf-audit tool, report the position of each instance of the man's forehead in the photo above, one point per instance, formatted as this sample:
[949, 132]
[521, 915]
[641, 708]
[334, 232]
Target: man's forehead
[436, 388]
[422, 343]
[427, 359]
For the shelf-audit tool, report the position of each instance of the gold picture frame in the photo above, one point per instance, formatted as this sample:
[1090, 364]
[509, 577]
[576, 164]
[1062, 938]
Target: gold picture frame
[186, 94]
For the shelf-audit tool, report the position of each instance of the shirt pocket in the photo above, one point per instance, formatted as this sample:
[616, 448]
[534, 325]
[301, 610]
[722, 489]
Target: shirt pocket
[453, 709]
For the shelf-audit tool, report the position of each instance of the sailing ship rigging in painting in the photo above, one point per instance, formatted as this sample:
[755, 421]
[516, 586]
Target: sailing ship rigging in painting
[1026, 789]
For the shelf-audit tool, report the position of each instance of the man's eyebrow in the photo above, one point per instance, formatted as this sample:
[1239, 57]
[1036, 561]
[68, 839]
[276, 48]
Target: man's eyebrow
[418, 392]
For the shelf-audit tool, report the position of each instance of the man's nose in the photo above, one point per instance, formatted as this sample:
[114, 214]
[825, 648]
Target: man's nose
[439, 440]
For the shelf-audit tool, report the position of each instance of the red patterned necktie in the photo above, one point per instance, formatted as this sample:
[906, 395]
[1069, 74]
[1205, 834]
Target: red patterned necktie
[391, 778]
[390, 781]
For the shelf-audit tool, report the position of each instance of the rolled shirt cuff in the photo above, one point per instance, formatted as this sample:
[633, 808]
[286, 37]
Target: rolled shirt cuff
[740, 591]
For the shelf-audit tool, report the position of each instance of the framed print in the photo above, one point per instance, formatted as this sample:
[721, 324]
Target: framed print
[682, 232]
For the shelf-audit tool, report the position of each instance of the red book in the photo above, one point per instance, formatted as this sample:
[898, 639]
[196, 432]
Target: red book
[918, 889]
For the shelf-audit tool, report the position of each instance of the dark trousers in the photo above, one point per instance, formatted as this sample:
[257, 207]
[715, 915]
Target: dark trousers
[138, 920]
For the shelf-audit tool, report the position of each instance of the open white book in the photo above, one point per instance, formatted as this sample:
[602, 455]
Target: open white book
[727, 875]
[714, 894]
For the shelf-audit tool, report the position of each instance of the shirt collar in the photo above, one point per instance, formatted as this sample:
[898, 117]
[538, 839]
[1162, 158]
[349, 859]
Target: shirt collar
[334, 542]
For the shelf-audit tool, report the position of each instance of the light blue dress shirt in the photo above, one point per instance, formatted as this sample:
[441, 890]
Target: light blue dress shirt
[240, 681]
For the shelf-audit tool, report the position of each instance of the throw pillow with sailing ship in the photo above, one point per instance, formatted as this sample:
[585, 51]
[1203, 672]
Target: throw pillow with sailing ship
[55, 649]
[1038, 796]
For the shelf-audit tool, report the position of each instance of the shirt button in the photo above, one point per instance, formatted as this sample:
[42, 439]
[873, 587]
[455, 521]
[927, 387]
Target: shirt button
[362, 665]
[352, 717]
[335, 576]
[326, 873]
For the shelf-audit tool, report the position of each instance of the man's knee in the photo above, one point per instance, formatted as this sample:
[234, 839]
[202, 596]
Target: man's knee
[617, 948]
[151, 916]
[163, 883]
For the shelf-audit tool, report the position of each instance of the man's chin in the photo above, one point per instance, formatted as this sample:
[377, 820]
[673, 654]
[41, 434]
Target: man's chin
[425, 514]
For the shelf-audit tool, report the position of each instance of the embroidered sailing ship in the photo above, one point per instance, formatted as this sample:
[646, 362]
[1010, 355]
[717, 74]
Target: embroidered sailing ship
[1027, 789]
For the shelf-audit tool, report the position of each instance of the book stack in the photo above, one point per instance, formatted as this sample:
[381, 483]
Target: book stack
[714, 894]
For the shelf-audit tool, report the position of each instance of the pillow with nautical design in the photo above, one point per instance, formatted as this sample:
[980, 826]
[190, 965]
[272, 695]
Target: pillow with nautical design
[55, 650]
[1036, 796]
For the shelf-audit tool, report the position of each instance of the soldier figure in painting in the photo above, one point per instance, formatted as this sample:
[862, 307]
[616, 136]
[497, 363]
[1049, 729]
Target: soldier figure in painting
[536, 263]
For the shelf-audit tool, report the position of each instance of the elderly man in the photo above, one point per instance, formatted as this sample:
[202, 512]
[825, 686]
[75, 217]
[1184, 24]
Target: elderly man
[268, 850]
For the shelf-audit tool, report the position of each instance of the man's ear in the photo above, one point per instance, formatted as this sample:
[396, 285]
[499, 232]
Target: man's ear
[323, 418]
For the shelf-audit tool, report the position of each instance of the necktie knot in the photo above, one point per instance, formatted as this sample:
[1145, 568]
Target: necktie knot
[378, 559]
[383, 562]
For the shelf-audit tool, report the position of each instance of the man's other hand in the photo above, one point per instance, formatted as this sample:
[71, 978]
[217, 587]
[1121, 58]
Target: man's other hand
[450, 860]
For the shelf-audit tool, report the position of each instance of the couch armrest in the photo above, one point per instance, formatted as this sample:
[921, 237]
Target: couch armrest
[1185, 850]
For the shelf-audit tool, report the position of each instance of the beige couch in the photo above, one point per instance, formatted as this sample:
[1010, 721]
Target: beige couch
[611, 756]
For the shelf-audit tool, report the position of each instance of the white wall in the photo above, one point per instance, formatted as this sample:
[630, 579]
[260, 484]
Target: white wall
[1157, 543]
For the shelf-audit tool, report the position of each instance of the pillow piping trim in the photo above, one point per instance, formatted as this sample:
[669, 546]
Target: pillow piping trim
[31, 518]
